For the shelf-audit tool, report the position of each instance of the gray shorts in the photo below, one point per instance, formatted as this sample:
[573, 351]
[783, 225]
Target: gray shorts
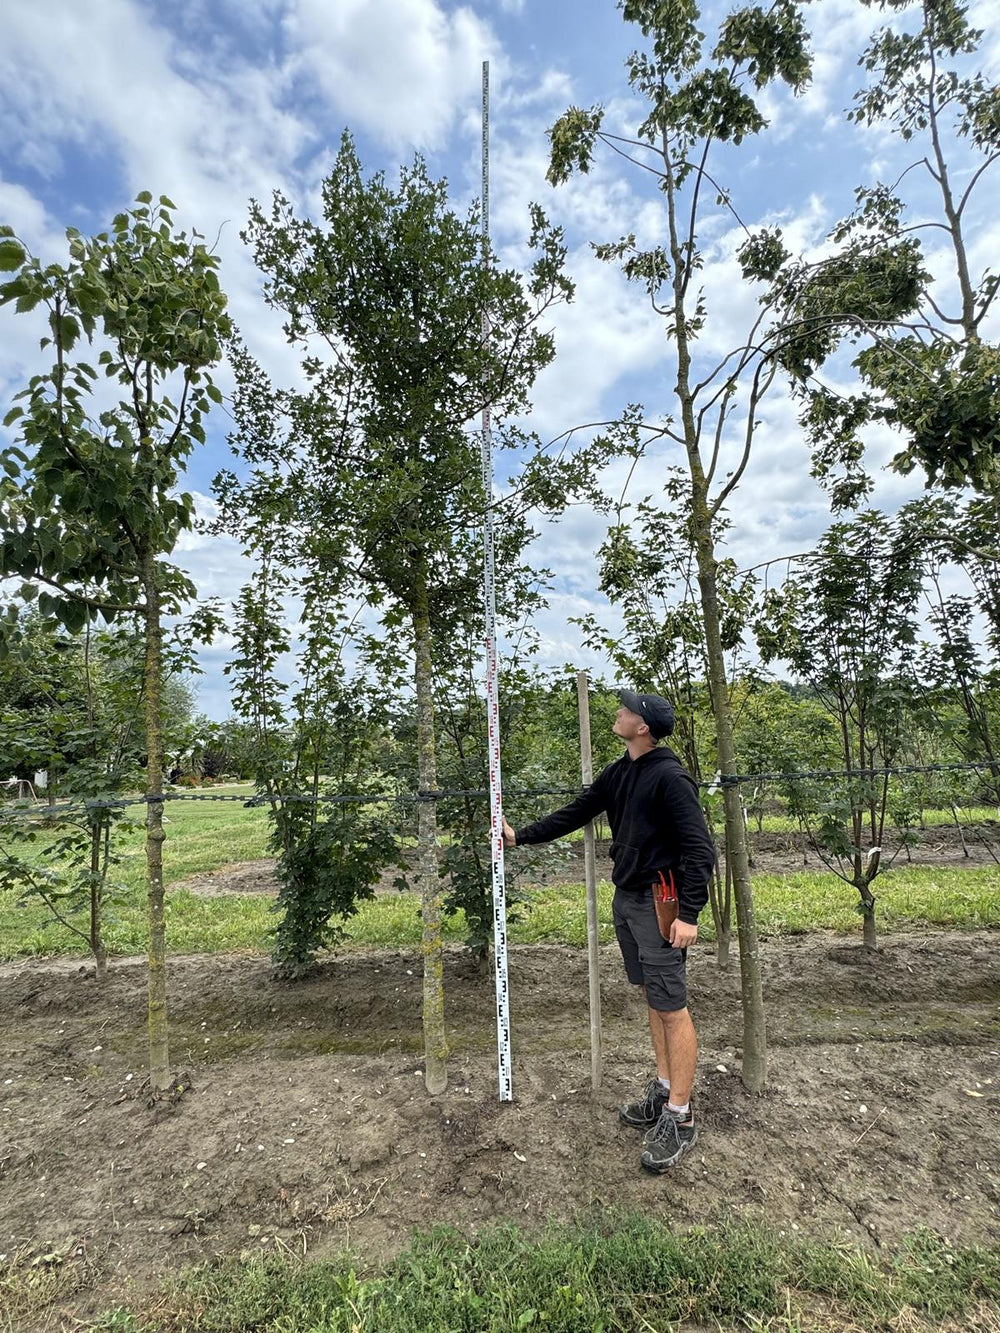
[649, 960]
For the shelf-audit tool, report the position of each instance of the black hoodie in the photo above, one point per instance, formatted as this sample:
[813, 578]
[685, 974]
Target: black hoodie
[656, 824]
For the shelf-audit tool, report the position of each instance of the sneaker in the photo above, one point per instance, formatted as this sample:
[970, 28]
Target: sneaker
[646, 1111]
[667, 1142]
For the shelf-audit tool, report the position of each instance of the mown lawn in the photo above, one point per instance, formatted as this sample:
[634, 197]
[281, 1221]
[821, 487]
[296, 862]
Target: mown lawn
[204, 835]
[785, 904]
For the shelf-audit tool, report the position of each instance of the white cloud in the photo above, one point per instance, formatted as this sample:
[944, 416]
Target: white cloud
[212, 101]
[400, 69]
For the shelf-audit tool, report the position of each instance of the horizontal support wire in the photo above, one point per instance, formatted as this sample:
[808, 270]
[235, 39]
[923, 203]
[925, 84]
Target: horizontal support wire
[720, 780]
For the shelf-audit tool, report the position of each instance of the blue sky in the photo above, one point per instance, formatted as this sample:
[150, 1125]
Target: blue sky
[214, 101]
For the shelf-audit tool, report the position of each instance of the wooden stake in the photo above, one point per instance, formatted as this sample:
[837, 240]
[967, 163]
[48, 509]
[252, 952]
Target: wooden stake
[590, 879]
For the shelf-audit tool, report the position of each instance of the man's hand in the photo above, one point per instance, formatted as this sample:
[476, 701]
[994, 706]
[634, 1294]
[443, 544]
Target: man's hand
[682, 935]
[508, 834]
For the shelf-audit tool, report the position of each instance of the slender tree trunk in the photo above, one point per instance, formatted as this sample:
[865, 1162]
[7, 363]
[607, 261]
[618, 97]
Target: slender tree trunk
[961, 835]
[435, 1042]
[159, 1042]
[944, 185]
[724, 934]
[96, 887]
[720, 899]
[863, 882]
[869, 936]
[98, 829]
[754, 1064]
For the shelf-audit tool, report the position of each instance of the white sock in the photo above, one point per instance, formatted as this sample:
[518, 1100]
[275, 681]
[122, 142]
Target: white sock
[679, 1110]
[664, 1084]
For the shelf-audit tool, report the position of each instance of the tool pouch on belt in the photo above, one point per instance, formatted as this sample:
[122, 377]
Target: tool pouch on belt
[665, 901]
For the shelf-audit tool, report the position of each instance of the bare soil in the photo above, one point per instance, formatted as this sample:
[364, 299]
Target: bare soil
[305, 1124]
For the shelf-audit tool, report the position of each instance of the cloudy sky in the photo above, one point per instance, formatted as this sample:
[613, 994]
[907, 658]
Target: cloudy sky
[213, 102]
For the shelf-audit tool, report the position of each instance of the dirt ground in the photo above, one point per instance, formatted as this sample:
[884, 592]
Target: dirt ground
[306, 1126]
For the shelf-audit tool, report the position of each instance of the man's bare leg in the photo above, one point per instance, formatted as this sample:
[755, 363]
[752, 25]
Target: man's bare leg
[679, 1043]
[658, 1033]
[675, 1133]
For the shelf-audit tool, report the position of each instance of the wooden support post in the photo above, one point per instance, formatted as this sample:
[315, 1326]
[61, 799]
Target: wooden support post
[590, 879]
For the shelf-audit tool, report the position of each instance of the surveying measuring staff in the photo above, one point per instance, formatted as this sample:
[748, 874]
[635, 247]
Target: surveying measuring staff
[663, 856]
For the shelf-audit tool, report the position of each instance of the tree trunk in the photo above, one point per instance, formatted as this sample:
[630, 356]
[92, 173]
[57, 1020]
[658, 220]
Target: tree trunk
[754, 1068]
[720, 900]
[96, 887]
[868, 915]
[724, 934]
[159, 1042]
[435, 1043]
[961, 834]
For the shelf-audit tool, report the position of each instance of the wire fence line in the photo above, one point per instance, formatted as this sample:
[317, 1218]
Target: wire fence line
[19, 808]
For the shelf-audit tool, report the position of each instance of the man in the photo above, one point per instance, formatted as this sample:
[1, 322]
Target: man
[657, 829]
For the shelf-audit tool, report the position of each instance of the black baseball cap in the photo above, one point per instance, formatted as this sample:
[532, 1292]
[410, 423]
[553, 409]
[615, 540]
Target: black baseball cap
[657, 713]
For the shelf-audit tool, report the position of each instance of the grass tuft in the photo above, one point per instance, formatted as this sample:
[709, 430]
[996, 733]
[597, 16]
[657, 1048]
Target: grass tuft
[625, 1273]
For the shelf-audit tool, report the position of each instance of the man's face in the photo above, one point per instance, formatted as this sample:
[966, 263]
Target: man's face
[628, 725]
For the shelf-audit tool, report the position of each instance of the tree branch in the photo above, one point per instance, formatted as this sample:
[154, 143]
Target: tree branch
[96, 603]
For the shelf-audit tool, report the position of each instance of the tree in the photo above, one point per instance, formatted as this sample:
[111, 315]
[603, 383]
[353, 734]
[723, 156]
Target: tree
[88, 508]
[780, 731]
[917, 336]
[45, 683]
[51, 720]
[71, 705]
[959, 667]
[312, 744]
[846, 623]
[377, 456]
[700, 98]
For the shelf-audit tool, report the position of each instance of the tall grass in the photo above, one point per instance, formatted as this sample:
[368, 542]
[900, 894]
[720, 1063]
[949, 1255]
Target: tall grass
[622, 1274]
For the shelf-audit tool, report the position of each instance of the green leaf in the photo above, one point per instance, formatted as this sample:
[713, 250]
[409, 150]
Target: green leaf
[74, 616]
[66, 330]
[12, 256]
[144, 197]
[13, 415]
[8, 290]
